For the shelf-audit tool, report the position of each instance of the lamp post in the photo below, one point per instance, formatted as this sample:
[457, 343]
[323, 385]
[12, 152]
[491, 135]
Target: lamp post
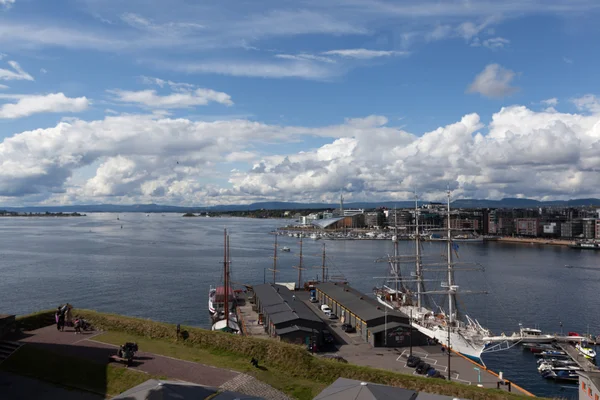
[410, 335]
[449, 376]
[264, 275]
[385, 328]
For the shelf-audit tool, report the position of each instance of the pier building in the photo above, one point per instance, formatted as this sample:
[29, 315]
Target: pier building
[285, 317]
[375, 323]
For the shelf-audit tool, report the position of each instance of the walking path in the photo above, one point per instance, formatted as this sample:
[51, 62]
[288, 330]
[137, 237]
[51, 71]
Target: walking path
[84, 346]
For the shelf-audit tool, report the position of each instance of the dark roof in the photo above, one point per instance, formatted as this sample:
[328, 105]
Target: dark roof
[294, 328]
[343, 389]
[364, 306]
[281, 305]
[593, 376]
[389, 325]
[153, 388]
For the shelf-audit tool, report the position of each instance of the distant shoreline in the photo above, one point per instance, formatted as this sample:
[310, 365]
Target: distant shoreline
[551, 242]
[23, 215]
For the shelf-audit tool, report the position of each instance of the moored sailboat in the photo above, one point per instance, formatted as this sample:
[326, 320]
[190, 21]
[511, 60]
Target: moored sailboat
[225, 319]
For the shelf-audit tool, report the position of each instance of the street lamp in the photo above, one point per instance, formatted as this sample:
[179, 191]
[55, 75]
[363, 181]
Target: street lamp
[385, 328]
[410, 335]
[449, 376]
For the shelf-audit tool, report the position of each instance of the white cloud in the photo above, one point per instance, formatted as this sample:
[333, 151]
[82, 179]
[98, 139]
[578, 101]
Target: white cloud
[35, 104]
[305, 57]
[496, 43]
[6, 3]
[43, 70]
[182, 99]
[589, 103]
[2, 87]
[169, 28]
[141, 158]
[552, 102]
[285, 69]
[17, 73]
[493, 81]
[364, 53]
[567, 60]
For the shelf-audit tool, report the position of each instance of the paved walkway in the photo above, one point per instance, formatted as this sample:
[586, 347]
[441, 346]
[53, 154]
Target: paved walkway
[85, 346]
[356, 351]
[16, 387]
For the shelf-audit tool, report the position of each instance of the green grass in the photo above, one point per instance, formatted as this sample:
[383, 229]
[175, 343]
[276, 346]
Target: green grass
[290, 368]
[297, 387]
[72, 372]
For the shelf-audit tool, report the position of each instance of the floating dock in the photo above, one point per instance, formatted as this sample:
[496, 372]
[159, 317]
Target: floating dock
[586, 364]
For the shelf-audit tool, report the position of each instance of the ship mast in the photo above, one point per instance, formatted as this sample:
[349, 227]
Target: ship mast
[226, 276]
[323, 277]
[300, 266]
[275, 260]
[395, 265]
[451, 294]
[419, 273]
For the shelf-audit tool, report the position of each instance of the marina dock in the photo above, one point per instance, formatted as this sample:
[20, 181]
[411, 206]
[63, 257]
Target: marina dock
[586, 364]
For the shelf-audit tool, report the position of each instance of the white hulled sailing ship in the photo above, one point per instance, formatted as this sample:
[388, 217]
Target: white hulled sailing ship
[465, 335]
[224, 317]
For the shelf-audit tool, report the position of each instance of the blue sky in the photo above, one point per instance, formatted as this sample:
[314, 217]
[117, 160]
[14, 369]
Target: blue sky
[187, 102]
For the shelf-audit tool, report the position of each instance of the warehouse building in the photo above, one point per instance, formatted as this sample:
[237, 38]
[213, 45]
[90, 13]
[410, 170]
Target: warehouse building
[375, 323]
[286, 317]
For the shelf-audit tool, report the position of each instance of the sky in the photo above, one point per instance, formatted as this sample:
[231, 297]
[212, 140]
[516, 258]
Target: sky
[189, 102]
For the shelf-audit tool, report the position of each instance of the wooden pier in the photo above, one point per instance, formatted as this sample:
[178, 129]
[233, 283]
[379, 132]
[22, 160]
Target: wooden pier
[586, 364]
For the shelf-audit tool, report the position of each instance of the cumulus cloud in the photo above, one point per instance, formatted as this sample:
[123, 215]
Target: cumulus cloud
[2, 87]
[17, 73]
[364, 54]
[182, 99]
[34, 104]
[552, 102]
[589, 103]
[142, 158]
[493, 81]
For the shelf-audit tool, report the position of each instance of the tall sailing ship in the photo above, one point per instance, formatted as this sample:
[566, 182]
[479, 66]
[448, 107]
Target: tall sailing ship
[221, 300]
[409, 296]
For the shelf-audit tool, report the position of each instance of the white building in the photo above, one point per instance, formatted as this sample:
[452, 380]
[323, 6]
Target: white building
[589, 385]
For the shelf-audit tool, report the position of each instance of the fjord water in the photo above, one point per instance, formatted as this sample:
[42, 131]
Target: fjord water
[161, 266]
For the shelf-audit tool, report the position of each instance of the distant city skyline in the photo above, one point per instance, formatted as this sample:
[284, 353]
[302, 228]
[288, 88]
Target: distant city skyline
[144, 101]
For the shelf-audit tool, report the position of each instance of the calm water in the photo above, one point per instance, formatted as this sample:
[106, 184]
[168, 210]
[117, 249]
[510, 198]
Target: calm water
[161, 267]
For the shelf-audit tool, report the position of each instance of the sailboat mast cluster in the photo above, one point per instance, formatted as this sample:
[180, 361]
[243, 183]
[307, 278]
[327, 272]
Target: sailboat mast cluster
[466, 337]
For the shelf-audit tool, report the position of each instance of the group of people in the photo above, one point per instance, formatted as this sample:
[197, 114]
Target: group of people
[64, 316]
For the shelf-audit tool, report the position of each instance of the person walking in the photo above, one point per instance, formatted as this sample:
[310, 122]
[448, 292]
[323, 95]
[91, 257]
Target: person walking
[178, 331]
[57, 319]
[61, 322]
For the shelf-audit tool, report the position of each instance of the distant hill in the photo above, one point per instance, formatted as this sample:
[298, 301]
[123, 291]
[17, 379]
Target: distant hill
[278, 205]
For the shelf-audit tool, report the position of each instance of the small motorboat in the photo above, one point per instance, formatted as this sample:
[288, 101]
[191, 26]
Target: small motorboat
[286, 249]
[587, 351]
[550, 353]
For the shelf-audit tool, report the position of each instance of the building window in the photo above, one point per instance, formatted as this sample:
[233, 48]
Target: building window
[582, 385]
[595, 397]
[590, 392]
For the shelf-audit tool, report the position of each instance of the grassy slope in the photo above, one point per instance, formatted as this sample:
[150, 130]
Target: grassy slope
[72, 372]
[297, 387]
[286, 363]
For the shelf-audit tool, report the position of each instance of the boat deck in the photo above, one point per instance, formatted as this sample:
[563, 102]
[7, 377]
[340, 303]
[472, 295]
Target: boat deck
[583, 362]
